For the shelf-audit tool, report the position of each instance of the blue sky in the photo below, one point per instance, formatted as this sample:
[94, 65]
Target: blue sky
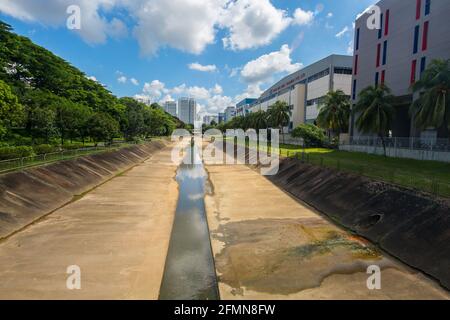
[148, 47]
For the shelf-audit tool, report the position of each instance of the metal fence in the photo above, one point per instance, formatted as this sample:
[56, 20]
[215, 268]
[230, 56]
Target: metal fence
[35, 160]
[422, 144]
[429, 184]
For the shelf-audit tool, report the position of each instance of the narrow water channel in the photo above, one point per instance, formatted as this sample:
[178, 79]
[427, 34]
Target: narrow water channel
[189, 272]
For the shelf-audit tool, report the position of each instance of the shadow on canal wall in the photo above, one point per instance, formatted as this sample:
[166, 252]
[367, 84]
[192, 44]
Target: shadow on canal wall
[29, 195]
[411, 226]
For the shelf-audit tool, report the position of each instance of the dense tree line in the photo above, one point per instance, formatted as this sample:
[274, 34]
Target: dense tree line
[44, 99]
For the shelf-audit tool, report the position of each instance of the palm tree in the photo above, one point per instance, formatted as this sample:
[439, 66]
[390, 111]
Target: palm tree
[432, 109]
[280, 115]
[375, 111]
[334, 112]
[259, 120]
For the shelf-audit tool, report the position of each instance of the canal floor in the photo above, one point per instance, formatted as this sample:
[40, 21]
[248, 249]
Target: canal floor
[268, 245]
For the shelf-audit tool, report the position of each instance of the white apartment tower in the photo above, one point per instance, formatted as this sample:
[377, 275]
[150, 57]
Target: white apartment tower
[187, 110]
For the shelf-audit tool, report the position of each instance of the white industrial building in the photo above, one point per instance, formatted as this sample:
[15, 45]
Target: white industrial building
[304, 89]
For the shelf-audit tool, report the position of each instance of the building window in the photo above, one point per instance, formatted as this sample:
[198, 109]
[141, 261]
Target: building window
[383, 76]
[418, 7]
[357, 39]
[386, 25]
[343, 70]
[378, 54]
[416, 39]
[319, 75]
[423, 65]
[380, 31]
[413, 71]
[427, 7]
[425, 36]
[354, 89]
[355, 69]
[377, 76]
[315, 101]
[384, 52]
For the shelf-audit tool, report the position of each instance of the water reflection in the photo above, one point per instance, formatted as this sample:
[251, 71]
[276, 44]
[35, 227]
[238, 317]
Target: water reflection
[189, 271]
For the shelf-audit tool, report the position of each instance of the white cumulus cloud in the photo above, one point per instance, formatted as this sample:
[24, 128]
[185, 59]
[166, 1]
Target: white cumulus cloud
[154, 89]
[252, 23]
[264, 67]
[203, 68]
[186, 25]
[302, 17]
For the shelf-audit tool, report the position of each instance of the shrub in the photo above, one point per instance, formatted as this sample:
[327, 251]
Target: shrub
[45, 148]
[311, 134]
[15, 152]
[19, 140]
[73, 146]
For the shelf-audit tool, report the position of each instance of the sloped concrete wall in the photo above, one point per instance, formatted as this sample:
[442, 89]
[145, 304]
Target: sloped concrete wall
[409, 225]
[32, 193]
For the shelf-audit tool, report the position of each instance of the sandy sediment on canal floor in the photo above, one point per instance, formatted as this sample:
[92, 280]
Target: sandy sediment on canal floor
[118, 234]
[269, 246]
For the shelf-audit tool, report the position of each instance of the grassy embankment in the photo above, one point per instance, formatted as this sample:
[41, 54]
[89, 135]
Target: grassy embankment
[428, 176]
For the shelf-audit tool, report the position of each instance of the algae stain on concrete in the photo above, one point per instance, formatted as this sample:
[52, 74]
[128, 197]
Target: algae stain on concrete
[286, 256]
[334, 241]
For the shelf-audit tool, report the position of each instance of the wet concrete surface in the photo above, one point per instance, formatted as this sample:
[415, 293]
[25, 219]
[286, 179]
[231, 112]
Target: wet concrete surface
[118, 234]
[269, 246]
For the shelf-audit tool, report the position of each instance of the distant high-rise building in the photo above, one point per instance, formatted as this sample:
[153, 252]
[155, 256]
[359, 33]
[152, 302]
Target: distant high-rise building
[171, 108]
[243, 108]
[208, 119]
[230, 113]
[221, 117]
[187, 110]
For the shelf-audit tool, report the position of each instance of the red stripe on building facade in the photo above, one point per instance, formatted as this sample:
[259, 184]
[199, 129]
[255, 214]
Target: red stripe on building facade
[386, 27]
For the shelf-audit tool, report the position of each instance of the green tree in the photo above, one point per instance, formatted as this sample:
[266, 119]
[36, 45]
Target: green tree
[375, 112]
[334, 113]
[70, 119]
[103, 127]
[40, 109]
[432, 109]
[134, 124]
[280, 115]
[41, 123]
[11, 111]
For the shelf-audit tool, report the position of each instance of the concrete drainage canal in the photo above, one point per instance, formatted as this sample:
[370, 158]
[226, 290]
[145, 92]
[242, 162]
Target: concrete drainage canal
[189, 272]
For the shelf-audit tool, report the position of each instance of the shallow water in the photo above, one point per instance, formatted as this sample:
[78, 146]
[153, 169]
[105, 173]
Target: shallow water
[189, 272]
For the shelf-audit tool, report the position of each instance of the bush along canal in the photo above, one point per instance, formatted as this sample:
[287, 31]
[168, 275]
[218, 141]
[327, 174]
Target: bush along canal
[189, 272]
